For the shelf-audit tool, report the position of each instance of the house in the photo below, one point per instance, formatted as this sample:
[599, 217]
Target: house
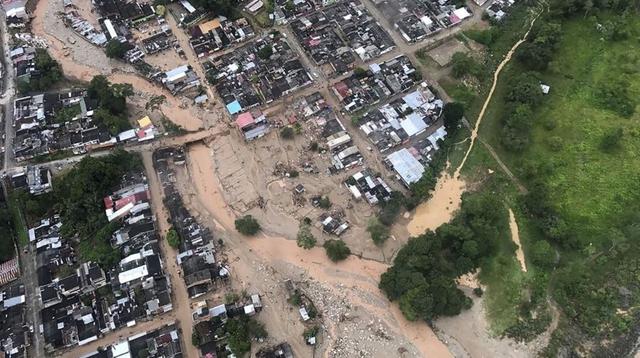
[252, 125]
[408, 168]
[179, 79]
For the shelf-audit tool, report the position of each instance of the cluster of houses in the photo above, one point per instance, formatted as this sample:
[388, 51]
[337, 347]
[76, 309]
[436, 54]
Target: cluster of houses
[415, 20]
[499, 9]
[401, 120]
[197, 257]
[336, 34]
[217, 34]
[377, 83]
[284, 10]
[79, 301]
[14, 328]
[36, 180]
[209, 321]
[330, 131]
[163, 342]
[258, 73]
[49, 122]
[370, 185]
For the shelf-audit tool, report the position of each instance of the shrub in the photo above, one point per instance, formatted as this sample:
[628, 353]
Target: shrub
[542, 254]
[116, 49]
[336, 250]
[324, 202]
[247, 225]
[287, 133]
[611, 140]
[172, 238]
[305, 238]
[379, 233]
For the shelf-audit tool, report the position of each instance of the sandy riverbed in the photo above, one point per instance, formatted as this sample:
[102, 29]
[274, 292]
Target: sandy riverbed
[358, 277]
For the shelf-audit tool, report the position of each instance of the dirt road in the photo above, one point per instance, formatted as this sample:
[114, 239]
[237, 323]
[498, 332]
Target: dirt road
[119, 335]
[180, 300]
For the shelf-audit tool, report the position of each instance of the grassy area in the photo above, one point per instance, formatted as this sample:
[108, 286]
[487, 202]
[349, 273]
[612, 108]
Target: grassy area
[594, 191]
[18, 220]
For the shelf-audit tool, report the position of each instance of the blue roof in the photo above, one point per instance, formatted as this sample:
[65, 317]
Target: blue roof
[234, 107]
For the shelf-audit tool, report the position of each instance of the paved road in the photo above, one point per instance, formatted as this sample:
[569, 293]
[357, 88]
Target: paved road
[8, 94]
[27, 259]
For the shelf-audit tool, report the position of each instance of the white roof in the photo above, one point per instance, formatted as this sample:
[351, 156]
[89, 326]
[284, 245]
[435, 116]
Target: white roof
[188, 6]
[440, 133]
[338, 141]
[413, 124]
[218, 310]
[462, 13]
[249, 310]
[13, 301]
[134, 274]
[426, 20]
[176, 73]
[110, 28]
[414, 99]
[118, 349]
[131, 133]
[406, 165]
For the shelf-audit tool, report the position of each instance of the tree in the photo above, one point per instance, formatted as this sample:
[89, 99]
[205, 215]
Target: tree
[116, 49]
[542, 254]
[47, 73]
[114, 123]
[173, 238]
[379, 233]
[336, 250]
[525, 88]
[325, 202]
[287, 133]
[611, 141]
[462, 65]
[112, 98]
[240, 331]
[247, 225]
[305, 238]
[452, 114]
[265, 52]
[360, 72]
[196, 339]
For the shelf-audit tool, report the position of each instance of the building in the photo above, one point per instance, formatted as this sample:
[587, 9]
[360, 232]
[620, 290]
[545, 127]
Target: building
[407, 166]
[252, 125]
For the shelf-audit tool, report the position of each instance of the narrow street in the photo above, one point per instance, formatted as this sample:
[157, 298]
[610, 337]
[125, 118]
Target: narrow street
[181, 301]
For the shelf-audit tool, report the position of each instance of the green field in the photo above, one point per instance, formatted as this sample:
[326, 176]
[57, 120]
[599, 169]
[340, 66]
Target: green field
[595, 191]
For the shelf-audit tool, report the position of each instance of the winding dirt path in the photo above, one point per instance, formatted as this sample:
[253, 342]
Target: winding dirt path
[447, 196]
[515, 236]
[496, 75]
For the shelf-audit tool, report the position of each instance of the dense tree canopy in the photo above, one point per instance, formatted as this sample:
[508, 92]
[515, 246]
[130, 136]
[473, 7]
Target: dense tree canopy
[423, 272]
[79, 194]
